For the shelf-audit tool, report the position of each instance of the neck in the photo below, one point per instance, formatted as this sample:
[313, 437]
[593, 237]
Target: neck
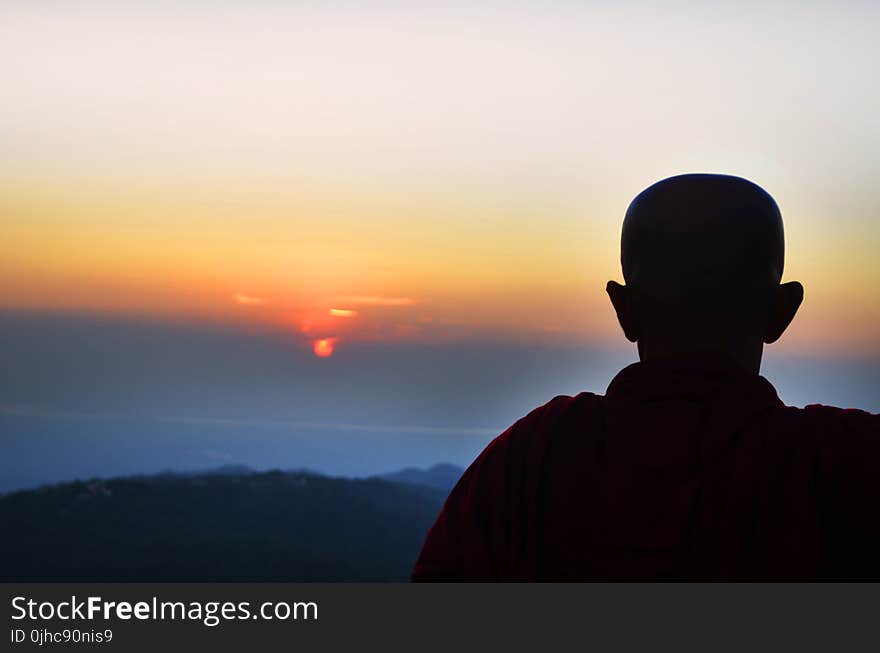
[745, 354]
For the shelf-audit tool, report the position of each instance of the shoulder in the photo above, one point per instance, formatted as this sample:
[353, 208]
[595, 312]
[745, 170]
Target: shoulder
[533, 431]
[846, 479]
[494, 498]
[844, 442]
[838, 440]
[513, 461]
[826, 422]
[845, 417]
[849, 433]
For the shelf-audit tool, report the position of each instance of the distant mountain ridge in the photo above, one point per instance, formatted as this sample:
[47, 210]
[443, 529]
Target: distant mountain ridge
[442, 476]
[229, 470]
[226, 524]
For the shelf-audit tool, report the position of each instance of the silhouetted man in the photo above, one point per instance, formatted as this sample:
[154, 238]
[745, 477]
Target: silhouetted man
[689, 467]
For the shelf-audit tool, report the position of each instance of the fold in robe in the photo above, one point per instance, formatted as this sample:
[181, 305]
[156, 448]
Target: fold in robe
[682, 470]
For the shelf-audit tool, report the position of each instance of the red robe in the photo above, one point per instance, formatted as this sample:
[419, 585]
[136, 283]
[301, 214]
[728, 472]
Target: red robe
[681, 471]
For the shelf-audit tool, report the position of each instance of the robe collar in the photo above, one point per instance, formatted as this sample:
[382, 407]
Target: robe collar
[697, 378]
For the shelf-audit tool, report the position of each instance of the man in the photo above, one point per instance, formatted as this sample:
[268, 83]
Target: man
[689, 467]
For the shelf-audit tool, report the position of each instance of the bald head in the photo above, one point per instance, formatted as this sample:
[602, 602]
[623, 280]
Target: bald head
[697, 232]
[702, 258]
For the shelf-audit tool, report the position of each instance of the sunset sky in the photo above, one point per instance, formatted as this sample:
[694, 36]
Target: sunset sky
[444, 172]
[410, 174]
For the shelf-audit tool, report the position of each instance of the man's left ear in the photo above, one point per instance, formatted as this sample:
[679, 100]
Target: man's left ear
[788, 300]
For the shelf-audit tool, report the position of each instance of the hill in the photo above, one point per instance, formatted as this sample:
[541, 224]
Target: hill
[238, 525]
[442, 476]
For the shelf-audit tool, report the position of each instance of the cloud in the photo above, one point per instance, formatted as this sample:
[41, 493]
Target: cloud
[248, 300]
[415, 429]
[45, 412]
[342, 312]
[234, 422]
[378, 300]
[220, 456]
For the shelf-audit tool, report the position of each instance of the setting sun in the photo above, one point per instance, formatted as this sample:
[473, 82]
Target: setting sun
[323, 347]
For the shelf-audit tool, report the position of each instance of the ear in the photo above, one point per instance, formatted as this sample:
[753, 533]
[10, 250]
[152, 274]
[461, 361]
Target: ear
[788, 300]
[621, 300]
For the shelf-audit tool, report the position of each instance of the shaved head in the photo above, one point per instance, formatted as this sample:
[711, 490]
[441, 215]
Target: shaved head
[701, 232]
[702, 258]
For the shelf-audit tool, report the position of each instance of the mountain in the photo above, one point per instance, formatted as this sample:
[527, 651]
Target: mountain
[223, 470]
[230, 470]
[442, 476]
[246, 526]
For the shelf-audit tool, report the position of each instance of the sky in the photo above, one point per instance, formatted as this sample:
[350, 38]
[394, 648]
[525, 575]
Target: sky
[327, 179]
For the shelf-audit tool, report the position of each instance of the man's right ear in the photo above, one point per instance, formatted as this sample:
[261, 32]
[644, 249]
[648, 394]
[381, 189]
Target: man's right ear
[621, 300]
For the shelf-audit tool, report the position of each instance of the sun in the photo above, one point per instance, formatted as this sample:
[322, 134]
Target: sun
[323, 347]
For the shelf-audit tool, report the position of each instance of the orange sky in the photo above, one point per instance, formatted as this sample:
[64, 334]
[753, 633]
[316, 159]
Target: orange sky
[365, 268]
[238, 169]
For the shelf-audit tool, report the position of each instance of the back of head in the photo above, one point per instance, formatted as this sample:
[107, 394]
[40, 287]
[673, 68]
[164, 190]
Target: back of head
[702, 257]
[703, 245]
